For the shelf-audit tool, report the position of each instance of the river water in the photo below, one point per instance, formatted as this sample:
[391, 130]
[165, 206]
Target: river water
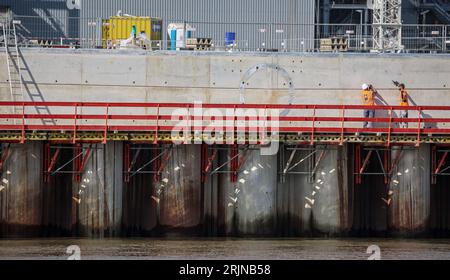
[227, 249]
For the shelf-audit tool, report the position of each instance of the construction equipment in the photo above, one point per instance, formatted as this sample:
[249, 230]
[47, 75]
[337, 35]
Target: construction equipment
[334, 44]
[13, 61]
[198, 44]
[144, 32]
[397, 84]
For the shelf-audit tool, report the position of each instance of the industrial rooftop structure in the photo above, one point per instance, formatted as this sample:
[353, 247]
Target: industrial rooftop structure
[268, 25]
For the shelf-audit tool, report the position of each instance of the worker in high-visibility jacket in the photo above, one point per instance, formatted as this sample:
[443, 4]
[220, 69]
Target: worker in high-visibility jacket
[404, 103]
[368, 99]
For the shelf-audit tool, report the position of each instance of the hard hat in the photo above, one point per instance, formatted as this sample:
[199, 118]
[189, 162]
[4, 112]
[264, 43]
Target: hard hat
[365, 86]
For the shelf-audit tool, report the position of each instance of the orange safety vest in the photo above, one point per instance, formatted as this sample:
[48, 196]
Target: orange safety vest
[404, 98]
[367, 97]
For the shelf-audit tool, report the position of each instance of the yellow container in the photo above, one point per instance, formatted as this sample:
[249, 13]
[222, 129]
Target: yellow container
[116, 29]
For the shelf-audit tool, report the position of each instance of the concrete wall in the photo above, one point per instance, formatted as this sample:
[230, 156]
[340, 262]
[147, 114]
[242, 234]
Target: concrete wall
[130, 76]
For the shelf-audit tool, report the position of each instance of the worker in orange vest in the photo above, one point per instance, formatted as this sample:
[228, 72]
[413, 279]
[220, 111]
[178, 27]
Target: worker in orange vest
[403, 102]
[368, 99]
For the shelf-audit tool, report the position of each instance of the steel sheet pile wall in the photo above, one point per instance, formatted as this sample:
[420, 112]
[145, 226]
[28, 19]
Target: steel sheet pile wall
[324, 203]
[21, 194]
[100, 192]
[248, 206]
[368, 210]
[140, 211]
[410, 192]
[315, 202]
[171, 204]
[180, 189]
[61, 207]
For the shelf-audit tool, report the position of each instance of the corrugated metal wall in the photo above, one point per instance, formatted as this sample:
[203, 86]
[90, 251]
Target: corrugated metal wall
[276, 11]
[260, 23]
[294, 18]
[45, 18]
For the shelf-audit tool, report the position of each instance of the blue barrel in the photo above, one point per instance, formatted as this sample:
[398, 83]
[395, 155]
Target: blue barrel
[173, 39]
[230, 37]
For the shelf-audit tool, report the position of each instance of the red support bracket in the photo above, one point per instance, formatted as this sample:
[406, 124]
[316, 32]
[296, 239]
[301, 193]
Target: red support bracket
[80, 162]
[4, 157]
[441, 163]
[207, 161]
[156, 164]
[85, 159]
[77, 161]
[434, 165]
[234, 163]
[211, 160]
[162, 165]
[242, 160]
[126, 162]
[49, 161]
[204, 161]
[321, 157]
[358, 178]
[386, 160]
[46, 161]
[394, 164]
[53, 160]
[366, 161]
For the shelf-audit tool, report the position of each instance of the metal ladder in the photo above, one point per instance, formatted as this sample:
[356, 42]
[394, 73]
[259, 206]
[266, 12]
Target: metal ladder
[14, 66]
[17, 83]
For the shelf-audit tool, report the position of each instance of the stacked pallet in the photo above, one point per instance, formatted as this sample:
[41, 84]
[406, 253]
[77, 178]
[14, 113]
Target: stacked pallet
[198, 44]
[334, 44]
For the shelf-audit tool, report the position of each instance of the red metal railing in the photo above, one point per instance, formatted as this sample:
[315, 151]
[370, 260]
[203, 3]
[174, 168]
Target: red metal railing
[159, 117]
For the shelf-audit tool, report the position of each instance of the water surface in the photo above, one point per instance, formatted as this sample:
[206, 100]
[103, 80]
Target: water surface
[227, 249]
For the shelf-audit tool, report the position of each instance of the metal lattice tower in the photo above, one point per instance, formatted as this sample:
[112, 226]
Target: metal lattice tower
[387, 25]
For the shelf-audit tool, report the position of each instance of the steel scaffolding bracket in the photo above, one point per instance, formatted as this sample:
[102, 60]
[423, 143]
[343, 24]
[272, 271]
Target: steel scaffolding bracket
[49, 161]
[79, 160]
[385, 165]
[5, 153]
[288, 164]
[313, 164]
[394, 164]
[237, 160]
[207, 161]
[319, 161]
[439, 156]
[130, 160]
[161, 165]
